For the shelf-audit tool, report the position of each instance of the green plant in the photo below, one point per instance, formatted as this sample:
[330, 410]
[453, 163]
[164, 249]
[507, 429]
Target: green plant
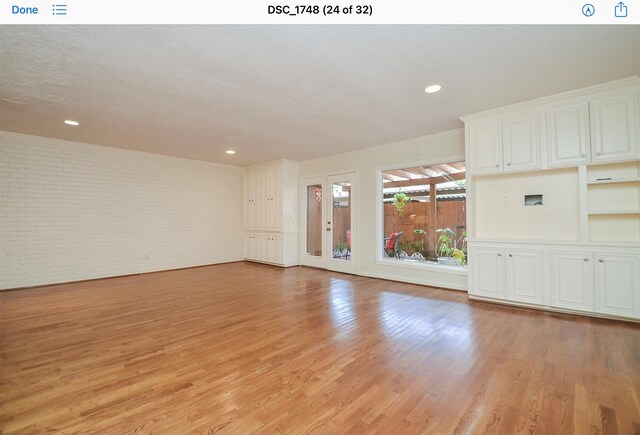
[447, 245]
[444, 244]
[459, 256]
[399, 201]
[341, 246]
[426, 249]
[411, 247]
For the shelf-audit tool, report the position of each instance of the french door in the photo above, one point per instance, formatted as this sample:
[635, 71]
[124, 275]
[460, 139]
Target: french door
[328, 230]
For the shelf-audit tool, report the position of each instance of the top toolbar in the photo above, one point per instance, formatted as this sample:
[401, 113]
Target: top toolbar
[323, 12]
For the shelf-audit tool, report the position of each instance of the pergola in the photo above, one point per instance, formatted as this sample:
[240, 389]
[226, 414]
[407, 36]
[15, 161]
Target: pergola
[428, 184]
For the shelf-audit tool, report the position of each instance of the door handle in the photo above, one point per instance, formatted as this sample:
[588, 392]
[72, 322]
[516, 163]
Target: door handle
[328, 229]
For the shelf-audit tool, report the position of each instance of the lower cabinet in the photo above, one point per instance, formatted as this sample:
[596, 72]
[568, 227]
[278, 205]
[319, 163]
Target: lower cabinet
[488, 272]
[572, 280]
[253, 247]
[274, 248]
[588, 279]
[617, 284]
[525, 275]
[509, 274]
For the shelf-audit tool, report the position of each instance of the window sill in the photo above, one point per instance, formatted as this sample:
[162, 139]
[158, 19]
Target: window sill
[420, 265]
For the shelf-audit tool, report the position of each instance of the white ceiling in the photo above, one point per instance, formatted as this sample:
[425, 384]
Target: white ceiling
[295, 92]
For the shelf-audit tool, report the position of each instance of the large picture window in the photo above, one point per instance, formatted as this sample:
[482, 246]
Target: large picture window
[425, 214]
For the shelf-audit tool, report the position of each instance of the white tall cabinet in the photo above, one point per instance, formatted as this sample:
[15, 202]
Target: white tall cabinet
[271, 213]
[553, 202]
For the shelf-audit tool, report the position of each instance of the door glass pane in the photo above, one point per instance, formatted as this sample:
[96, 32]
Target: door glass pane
[341, 210]
[314, 220]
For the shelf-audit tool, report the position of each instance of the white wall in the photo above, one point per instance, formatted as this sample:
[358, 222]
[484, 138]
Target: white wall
[434, 148]
[73, 211]
[501, 213]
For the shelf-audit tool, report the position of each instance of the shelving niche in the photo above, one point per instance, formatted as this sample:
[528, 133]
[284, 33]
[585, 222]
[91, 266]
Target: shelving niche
[613, 198]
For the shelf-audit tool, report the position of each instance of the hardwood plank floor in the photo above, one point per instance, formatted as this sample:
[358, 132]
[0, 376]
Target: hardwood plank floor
[244, 348]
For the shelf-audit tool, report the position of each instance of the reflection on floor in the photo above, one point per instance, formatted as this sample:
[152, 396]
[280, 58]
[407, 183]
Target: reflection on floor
[244, 347]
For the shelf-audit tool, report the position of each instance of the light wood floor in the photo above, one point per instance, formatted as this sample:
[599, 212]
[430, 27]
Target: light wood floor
[245, 348]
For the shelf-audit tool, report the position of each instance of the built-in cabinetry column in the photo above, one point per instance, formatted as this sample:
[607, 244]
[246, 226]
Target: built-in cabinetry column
[271, 213]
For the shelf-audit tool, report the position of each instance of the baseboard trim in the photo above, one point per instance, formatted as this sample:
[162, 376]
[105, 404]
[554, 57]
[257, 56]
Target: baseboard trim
[553, 309]
[440, 285]
[117, 276]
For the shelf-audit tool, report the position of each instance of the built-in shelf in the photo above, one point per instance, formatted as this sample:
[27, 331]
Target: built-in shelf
[613, 202]
[605, 212]
[620, 180]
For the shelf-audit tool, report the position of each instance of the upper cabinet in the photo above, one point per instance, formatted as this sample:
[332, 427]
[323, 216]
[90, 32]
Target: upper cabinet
[521, 144]
[596, 125]
[504, 145]
[269, 204]
[598, 130]
[486, 147]
[614, 127]
[568, 134]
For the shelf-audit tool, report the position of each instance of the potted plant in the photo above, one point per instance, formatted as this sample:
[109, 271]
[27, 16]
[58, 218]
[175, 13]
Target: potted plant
[446, 247]
[399, 201]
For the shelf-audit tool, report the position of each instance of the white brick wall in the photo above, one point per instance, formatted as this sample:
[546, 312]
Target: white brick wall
[72, 211]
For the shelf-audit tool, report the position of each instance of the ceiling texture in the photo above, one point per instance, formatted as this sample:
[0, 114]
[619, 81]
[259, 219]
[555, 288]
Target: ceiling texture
[296, 92]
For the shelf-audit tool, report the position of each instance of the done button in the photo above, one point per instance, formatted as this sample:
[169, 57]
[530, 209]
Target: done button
[20, 10]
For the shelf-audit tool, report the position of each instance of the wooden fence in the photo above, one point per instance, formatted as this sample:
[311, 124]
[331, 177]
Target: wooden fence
[449, 214]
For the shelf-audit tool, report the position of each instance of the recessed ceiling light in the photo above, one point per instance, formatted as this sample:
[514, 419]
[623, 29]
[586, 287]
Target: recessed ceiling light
[432, 89]
[231, 152]
[70, 122]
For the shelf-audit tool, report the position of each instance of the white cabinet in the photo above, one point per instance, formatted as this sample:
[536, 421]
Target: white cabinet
[273, 199]
[488, 272]
[512, 274]
[598, 130]
[252, 247]
[617, 284]
[264, 197]
[568, 134]
[521, 143]
[509, 144]
[271, 213]
[262, 192]
[251, 200]
[272, 248]
[525, 275]
[588, 279]
[572, 280]
[485, 142]
[614, 127]
[263, 247]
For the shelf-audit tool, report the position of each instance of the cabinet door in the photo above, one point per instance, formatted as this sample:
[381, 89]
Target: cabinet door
[252, 247]
[485, 142]
[251, 209]
[262, 220]
[524, 276]
[274, 200]
[568, 134]
[617, 284]
[272, 248]
[614, 127]
[488, 272]
[572, 280]
[521, 143]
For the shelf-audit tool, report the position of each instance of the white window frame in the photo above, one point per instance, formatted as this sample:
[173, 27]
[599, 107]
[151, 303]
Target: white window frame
[380, 260]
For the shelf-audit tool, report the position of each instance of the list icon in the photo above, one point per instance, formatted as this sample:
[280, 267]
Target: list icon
[59, 9]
